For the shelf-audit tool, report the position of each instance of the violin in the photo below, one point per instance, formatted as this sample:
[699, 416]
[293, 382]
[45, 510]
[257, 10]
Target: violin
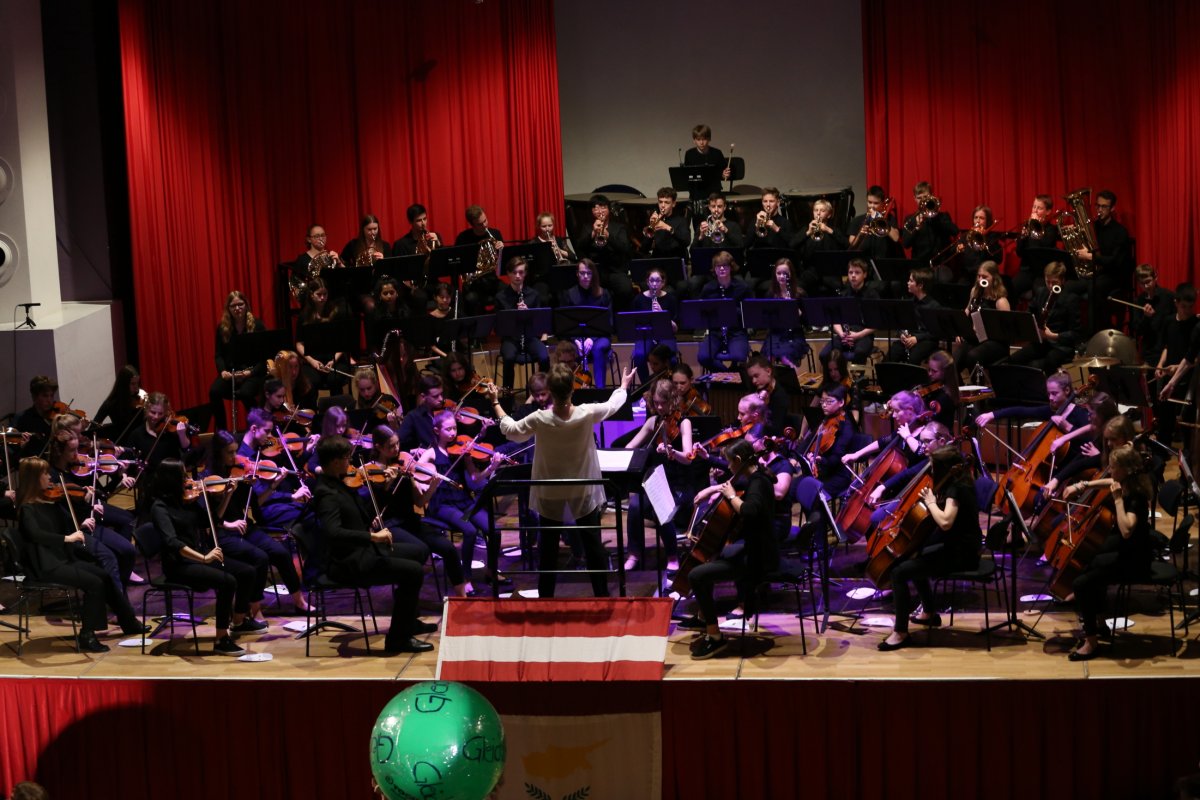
[409, 465]
[266, 470]
[212, 484]
[173, 421]
[583, 378]
[72, 490]
[299, 416]
[480, 451]
[722, 438]
[106, 464]
[60, 407]
[294, 442]
[696, 404]
[371, 472]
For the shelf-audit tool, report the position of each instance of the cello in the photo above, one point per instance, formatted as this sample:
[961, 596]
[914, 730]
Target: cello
[1026, 477]
[855, 515]
[1081, 541]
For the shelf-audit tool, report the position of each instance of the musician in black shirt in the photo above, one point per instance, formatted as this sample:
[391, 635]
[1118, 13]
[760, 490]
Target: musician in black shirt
[1112, 260]
[717, 230]
[724, 344]
[772, 228]
[606, 241]
[1058, 315]
[929, 230]
[880, 218]
[1177, 335]
[419, 238]
[1038, 233]
[913, 347]
[517, 296]
[475, 295]
[819, 236]
[853, 339]
[704, 155]
[1157, 304]
[670, 237]
[369, 246]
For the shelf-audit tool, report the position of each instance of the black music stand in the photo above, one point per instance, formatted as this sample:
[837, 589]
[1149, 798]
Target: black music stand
[946, 323]
[951, 295]
[673, 267]
[335, 336]
[776, 315]
[561, 277]
[1013, 327]
[348, 282]
[893, 272]
[695, 179]
[539, 255]
[896, 377]
[453, 263]
[528, 323]
[1124, 384]
[825, 312]
[702, 258]
[831, 265]
[646, 326]
[402, 268]
[583, 322]
[710, 314]
[760, 261]
[254, 349]
[890, 315]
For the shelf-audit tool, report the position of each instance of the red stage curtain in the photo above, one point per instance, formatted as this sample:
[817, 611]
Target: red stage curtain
[246, 122]
[994, 103]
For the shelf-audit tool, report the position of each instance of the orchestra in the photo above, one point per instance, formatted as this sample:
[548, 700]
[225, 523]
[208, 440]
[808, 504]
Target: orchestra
[396, 468]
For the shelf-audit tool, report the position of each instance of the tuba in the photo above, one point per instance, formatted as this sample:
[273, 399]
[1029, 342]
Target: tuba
[1079, 234]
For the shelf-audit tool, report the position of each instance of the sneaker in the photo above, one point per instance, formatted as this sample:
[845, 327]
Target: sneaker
[708, 646]
[249, 626]
[225, 646]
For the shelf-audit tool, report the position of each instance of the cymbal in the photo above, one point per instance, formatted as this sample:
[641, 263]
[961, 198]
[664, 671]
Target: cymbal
[1096, 362]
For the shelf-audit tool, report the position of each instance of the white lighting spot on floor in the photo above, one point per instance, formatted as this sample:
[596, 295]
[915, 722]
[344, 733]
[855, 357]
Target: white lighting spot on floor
[1035, 598]
[295, 626]
[861, 593]
[528, 594]
[1119, 623]
[876, 622]
[476, 564]
[256, 657]
[277, 589]
[135, 642]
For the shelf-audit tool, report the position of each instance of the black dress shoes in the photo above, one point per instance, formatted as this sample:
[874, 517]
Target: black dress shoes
[88, 643]
[929, 621]
[420, 627]
[886, 647]
[409, 645]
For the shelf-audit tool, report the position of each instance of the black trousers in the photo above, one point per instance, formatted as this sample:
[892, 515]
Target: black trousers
[115, 553]
[898, 353]
[1091, 587]
[1045, 356]
[729, 566]
[931, 563]
[241, 550]
[595, 556]
[370, 568]
[98, 591]
[863, 347]
[233, 581]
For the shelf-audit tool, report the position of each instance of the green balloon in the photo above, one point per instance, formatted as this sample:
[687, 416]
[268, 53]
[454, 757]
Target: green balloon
[440, 740]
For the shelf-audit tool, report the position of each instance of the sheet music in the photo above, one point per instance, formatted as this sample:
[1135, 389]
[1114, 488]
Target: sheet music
[614, 460]
[658, 492]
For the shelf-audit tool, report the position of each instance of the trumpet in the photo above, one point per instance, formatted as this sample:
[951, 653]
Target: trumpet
[716, 229]
[814, 230]
[649, 230]
[560, 255]
[876, 222]
[760, 223]
[600, 237]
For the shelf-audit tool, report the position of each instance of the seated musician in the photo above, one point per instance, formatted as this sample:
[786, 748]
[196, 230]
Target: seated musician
[835, 371]
[1156, 305]
[667, 433]
[477, 232]
[566, 352]
[419, 239]
[1126, 552]
[854, 339]
[751, 413]
[823, 454]
[820, 236]
[356, 549]
[397, 369]
[566, 448]
[417, 428]
[283, 498]
[122, 407]
[335, 422]
[762, 378]
[743, 561]
[908, 413]
[1101, 409]
[1176, 333]
[953, 546]
[35, 420]
[669, 235]
[298, 392]
[606, 242]
[788, 344]
[458, 377]
[976, 246]
[732, 344]
[390, 305]
[191, 556]
[716, 230]
[236, 376]
[369, 246]
[782, 472]
[58, 553]
[987, 292]
[913, 347]
[159, 437]
[654, 298]
[772, 228]
[928, 230]
[884, 497]
[239, 534]
[316, 239]
[319, 360]
[444, 342]
[372, 406]
[518, 296]
[588, 292]
[1058, 315]
[559, 245]
[940, 392]
[693, 404]
[1038, 233]
[863, 230]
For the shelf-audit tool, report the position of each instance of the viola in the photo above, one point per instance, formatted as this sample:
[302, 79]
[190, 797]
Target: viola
[371, 472]
[722, 438]
[695, 404]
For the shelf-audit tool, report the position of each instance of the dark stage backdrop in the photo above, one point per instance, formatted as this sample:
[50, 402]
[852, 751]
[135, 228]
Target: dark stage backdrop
[934, 740]
[246, 122]
[995, 103]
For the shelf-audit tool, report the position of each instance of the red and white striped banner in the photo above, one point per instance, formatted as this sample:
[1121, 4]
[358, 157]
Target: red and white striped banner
[576, 639]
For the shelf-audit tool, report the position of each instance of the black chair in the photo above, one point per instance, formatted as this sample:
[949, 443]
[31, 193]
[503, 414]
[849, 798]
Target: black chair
[319, 586]
[30, 586]
[1162, 575]
[791, 577]
[150, 543]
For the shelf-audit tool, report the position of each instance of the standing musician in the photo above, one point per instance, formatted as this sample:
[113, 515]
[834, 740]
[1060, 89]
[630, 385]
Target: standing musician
[818, 237]
[693, 404]
[417, 428]
[913, 347]
[749, 551]
[1156, 305]
[654, 298]
[787, 345]
[123, 405]
[875, 234]
[667, 231]
[953, 546]
[606, 242]
[772, 228]
[517, 295]
[316, 239]
[762, 378]
[356, 549]
[854, 339]
[321, 364]
[1176, 334]
[282, 498]
[667, 434]
[35, 420]
[717, 230]
[988, 292]
[566, 448]
[1126, 553]
[1058, 317]
[419, 239]
[940, 392]
[588, 292]
[702, 154]
[239, 536]
[188, 556]
[728, 344]
[236, 376]
[369, 246]
[57, 553]
[928, 230]
[1038, 233]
